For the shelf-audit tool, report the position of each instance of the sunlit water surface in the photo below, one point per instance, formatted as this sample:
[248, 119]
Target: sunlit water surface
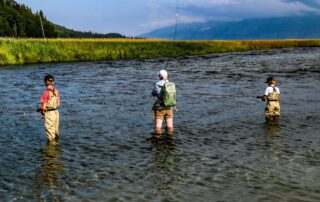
[222, 150]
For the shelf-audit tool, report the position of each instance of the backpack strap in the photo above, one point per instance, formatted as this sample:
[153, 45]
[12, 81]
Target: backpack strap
[55, 95]
[161, 92]
[53, 91]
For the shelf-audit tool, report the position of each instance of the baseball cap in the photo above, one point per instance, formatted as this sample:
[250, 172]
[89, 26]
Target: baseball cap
[163, 73]
[269, 79]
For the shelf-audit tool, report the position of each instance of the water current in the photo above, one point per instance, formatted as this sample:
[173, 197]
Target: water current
[222, 149]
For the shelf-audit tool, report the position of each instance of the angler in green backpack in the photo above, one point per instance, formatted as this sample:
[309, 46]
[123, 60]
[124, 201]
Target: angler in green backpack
[165, 91]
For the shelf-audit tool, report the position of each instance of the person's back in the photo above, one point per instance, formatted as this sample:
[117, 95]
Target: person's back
[162, 112]
[272, 95]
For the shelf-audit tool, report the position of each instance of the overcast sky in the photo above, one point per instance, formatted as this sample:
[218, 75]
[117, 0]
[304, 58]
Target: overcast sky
[133, 17]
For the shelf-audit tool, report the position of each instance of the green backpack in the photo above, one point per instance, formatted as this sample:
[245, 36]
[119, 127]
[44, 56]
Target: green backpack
[168, 94]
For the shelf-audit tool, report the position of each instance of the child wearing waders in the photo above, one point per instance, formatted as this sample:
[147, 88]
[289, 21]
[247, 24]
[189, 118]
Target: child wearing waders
[166, 100]
[50, 100]
[272, 95]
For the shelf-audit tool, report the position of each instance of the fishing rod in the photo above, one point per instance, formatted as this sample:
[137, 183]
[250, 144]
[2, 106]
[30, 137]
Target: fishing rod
[12, 111]
[174, 32]
[176, 24]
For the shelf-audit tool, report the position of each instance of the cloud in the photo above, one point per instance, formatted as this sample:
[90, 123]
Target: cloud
[311, 3]
[162, 14]
[248, 8]
[205, 10]
[155, 24]
[222, 2]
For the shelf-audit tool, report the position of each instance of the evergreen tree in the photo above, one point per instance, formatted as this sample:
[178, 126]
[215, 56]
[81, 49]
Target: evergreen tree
[18, 21]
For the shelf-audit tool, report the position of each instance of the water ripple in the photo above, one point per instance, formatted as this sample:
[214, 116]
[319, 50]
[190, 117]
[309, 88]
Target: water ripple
[222, 150]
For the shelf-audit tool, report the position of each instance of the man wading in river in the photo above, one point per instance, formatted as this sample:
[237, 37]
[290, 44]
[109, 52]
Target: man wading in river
[50, 100]
[272, 95]
[165, 91]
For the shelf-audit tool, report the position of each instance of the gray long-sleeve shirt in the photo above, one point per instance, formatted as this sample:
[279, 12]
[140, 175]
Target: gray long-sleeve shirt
[156, 91]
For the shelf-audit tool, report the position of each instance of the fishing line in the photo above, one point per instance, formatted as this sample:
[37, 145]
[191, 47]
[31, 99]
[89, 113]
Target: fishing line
[25, 114]
[176, 24]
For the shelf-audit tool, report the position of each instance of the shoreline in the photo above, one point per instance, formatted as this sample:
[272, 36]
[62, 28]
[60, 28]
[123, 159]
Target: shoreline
[33, 51]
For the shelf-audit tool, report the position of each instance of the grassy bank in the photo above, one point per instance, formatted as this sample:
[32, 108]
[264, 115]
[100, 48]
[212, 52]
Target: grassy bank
[22, 51]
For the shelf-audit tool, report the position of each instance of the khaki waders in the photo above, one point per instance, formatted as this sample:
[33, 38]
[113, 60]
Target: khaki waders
[51, 122]
[51, 118]
[272, 109]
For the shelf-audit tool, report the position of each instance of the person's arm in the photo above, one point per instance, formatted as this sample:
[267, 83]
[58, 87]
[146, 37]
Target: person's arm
[44, 101]
[156, 91]
[42, 108]
[263, 97]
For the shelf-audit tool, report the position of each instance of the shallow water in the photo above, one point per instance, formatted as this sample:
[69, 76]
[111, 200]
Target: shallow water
[222, 150]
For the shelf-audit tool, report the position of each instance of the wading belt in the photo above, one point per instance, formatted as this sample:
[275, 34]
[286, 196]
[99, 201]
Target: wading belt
[51, 109]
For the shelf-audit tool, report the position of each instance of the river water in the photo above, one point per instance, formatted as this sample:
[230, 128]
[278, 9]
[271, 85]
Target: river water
[222, 149]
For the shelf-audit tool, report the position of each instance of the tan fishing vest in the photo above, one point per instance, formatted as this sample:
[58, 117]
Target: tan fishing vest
[274, 96]
[53, 102]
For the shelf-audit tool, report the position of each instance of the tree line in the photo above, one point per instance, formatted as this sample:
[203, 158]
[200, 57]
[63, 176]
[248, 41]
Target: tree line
[18, 20]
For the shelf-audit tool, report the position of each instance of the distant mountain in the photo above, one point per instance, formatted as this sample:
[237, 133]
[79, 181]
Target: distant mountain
[307, 26]
[17, 20]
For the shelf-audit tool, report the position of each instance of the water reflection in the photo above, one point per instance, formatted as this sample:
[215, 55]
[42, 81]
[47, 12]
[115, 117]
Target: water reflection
[164, 164]
[272, 126]
[48, 181]
[163, 144]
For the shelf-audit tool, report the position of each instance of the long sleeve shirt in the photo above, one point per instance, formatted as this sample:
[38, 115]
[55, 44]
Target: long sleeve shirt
[156, 91]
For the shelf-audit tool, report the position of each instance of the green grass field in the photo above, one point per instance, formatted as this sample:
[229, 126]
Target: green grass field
[23, 51]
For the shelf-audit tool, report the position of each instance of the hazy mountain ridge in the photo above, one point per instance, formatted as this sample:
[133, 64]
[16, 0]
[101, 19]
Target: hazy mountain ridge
[307, 26]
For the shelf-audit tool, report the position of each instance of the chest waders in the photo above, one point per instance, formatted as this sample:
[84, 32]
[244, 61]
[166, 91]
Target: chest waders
[51, 117]
[272, 109]
[52, 102]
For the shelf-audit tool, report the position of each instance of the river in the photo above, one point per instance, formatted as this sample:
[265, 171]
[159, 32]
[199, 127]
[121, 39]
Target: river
[222, 149]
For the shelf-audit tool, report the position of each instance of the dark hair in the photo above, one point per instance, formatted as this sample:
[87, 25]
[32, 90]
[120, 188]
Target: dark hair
[48, 77]
[269, 79]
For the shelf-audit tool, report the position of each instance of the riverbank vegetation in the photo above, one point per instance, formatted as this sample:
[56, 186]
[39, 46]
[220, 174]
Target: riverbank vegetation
[22, 51]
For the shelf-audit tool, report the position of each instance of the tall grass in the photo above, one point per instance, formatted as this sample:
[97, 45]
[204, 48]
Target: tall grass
[21, 51]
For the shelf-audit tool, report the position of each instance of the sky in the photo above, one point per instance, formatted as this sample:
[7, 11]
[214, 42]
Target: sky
[134, 17]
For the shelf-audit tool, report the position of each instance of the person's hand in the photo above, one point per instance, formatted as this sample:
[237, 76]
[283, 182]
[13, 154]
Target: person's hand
[262, 98]
[39, 109]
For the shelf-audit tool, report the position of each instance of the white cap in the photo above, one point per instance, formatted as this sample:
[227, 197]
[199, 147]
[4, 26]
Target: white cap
[163, 73]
